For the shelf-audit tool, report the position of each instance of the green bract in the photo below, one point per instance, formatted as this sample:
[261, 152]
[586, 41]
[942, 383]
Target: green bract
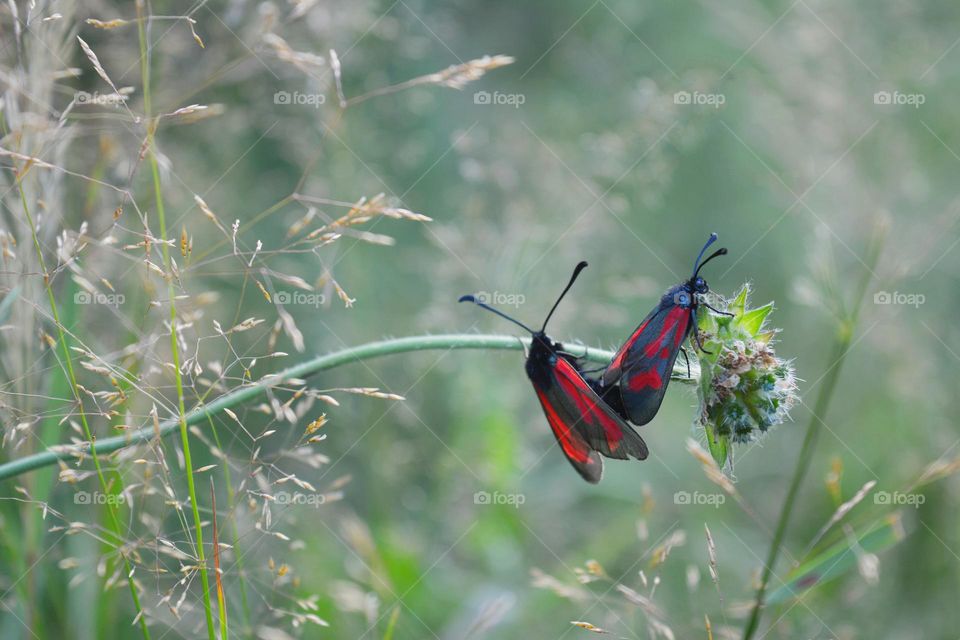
[744, 387]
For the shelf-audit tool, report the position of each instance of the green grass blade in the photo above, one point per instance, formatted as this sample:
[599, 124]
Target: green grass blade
[839, 558]
[6, 305]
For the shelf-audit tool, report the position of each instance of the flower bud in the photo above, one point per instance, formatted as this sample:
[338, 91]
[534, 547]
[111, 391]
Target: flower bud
[744, 387]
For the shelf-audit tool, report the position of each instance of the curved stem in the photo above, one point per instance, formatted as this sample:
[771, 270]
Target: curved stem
[302, 370]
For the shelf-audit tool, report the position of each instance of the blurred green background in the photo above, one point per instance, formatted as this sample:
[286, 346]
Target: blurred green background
[796, 169]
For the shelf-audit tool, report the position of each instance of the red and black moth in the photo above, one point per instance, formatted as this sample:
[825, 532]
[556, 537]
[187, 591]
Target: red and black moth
[583, 424]
[641, 368]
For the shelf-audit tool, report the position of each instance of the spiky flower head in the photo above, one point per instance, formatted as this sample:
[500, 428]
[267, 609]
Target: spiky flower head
[744, 387]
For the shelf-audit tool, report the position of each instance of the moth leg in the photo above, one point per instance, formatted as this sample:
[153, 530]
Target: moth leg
[696, 336]
[696, 330]
[722, 313]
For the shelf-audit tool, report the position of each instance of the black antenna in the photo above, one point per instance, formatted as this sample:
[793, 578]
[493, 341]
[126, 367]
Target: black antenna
[696, 263]
[718, 252]
[474, 300]
[576, 272]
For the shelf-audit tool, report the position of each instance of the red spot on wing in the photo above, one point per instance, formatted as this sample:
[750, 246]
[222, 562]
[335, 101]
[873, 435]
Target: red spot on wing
[668, 325]
[618, 359]
[583, 396]
[676, 321]
[572, 444]
[650, 378]
[665, 353]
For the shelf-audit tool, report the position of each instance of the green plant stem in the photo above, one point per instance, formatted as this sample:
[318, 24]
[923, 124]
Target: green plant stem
[314, 365]
[839, 352]
[114, 523]
[841, 346]
[231, 506]
[174, 347]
